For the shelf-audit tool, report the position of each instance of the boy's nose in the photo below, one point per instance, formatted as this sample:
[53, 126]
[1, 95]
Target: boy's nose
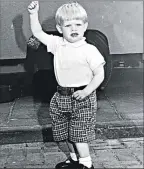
[73, 27]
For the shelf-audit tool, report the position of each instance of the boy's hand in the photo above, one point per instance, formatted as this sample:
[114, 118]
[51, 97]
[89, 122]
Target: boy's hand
[80, 94]
[33, 7]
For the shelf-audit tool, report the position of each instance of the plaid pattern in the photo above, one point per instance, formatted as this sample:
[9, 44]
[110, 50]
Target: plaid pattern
[33, 42]
[73, 119]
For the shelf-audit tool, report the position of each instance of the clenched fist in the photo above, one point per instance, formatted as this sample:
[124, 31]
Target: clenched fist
[33, 7]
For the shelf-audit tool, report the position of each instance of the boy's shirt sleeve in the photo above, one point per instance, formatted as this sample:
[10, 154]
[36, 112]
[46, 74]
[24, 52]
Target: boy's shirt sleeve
[94, 58]
[52, 42]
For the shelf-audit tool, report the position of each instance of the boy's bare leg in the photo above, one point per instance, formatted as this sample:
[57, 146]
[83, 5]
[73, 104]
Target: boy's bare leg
[84, 153]
[83, 149]
[71, 146]
[71, 162]
[73, 151]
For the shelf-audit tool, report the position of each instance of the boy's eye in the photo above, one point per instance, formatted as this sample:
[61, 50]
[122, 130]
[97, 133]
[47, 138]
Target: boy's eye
[78, 24]
[67, 25]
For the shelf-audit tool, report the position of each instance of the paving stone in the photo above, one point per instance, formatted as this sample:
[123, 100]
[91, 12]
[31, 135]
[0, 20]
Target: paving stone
[35, 159]
[141, 142]
[106, 115]
[12, 146]
[137, 151]
[131, 139]
[111, 164]
[97, 165]
[93, 156]
[54, 158]
[15, 165]
[124, 155]
[140, 157]
[17, 152]
[5, 109]
[128, 163]
[99, 146]
[22, 122]
[15, 160]
[42, 166]
[4, 151]
[135, 166]
[37, 144]
[105, 155]
[3, 161]
[113, 142]
[33, 150]
[92, 151]
[52, 149]
[132, 144]
[98, 141]
[108, 147]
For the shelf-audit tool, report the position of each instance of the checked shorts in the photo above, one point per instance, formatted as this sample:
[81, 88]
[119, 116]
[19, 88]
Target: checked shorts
[73, 119]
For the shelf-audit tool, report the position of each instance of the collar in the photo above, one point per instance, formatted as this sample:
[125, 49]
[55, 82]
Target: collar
[75, 44]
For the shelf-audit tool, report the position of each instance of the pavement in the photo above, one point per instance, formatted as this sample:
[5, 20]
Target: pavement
[119, 115]
[110, 153]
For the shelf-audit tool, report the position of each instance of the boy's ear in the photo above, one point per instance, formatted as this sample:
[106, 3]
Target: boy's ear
[86, 26]
[59, 28]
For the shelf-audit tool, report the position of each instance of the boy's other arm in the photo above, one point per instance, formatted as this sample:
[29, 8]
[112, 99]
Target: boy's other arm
[96, 81]
[93, 85]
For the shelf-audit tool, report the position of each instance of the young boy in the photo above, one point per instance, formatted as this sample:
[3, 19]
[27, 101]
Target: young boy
[79, 71]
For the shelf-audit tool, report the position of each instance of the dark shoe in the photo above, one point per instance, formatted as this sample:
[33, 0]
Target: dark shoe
[67, 165]
[81, 166]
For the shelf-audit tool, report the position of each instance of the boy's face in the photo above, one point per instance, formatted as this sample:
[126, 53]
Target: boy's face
[73, 30]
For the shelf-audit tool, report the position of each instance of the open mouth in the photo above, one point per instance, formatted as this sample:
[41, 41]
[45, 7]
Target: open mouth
[74, 35]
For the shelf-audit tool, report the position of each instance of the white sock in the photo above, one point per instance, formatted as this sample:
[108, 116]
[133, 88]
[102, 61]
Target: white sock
[86, 161]
[73, 156]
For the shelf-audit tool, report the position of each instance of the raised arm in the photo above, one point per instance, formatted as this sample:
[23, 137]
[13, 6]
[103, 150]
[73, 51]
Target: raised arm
[35, 25]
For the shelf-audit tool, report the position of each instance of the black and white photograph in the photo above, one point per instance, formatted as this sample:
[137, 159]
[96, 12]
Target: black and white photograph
[71, 84]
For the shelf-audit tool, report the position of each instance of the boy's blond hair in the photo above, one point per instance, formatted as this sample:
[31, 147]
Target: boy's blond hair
[70, 11]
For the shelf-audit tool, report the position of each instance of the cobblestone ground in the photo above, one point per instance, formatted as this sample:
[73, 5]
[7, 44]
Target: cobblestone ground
[122, 153]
